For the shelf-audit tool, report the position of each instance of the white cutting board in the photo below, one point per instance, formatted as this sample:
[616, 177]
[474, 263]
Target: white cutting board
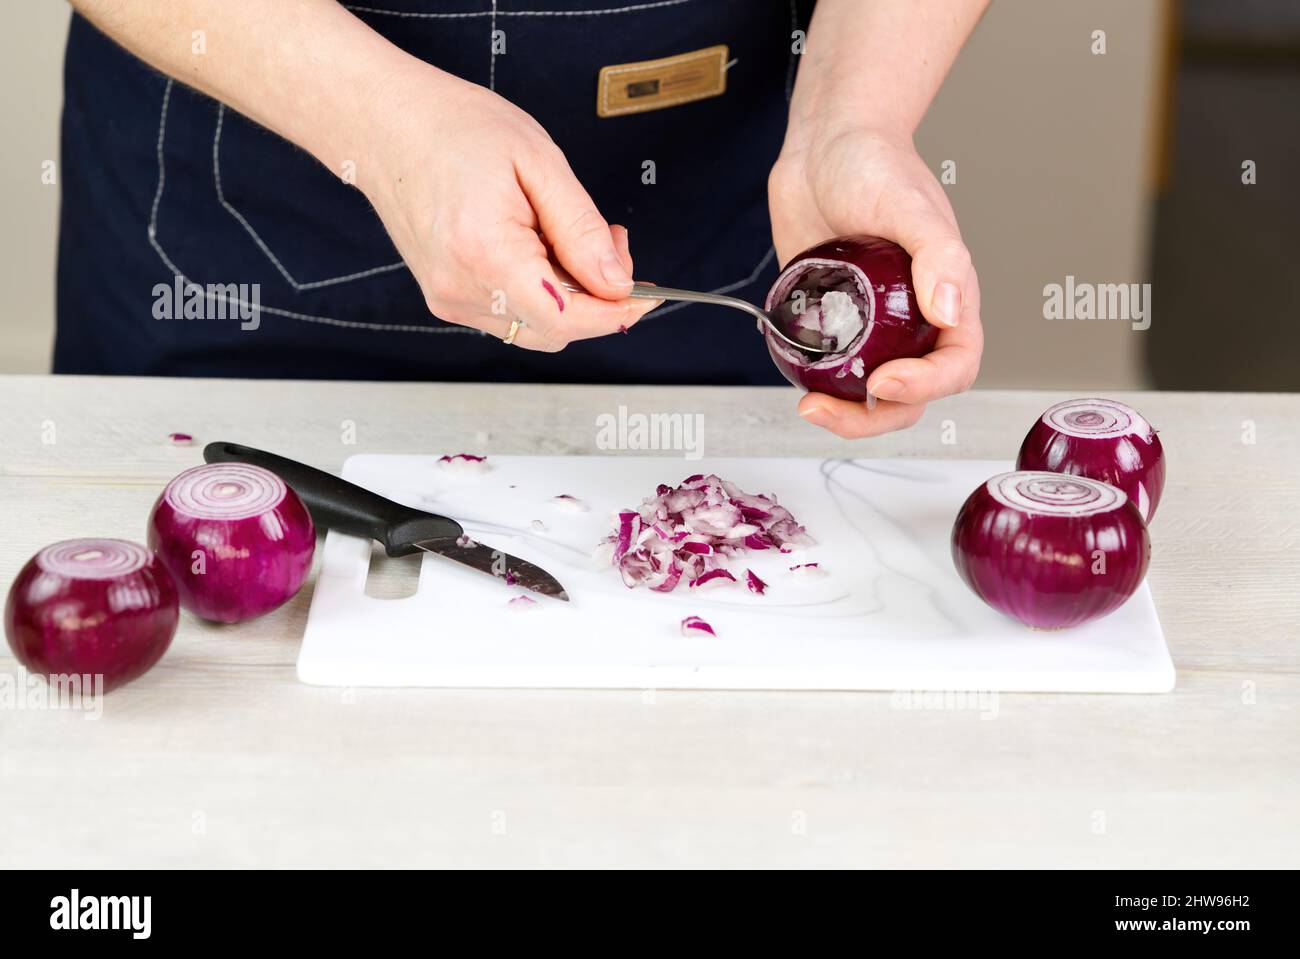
[890, 612]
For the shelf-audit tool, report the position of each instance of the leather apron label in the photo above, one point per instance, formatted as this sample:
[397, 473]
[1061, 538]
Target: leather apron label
[656, 84]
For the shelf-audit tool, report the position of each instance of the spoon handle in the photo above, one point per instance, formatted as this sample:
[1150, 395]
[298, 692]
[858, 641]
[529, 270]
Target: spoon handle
[648, 291]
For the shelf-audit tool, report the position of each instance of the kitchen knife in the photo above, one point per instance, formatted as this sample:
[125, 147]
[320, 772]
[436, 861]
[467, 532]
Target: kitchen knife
[335, 503]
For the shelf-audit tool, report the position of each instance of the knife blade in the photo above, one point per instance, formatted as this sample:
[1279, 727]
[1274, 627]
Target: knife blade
[495, 562]
[334, 503]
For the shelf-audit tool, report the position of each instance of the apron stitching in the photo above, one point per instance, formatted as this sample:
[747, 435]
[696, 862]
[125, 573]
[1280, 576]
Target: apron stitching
[411, 15]
[248, 227]
[152, 232]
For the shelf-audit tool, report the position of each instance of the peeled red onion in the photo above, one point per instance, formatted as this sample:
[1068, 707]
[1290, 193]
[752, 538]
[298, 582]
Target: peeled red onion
[811, 300]
[1050, 550]
[237, 540]
[1103, 440]
[90, 607]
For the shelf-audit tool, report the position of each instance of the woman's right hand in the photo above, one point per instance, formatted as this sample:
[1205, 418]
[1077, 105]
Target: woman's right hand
[482, 206]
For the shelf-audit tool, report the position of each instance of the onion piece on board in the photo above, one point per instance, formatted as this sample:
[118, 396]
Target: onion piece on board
[694, 626]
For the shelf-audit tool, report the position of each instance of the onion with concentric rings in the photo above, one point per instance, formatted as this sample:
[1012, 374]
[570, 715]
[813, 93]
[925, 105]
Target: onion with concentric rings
[91, 607]
[1050, 550]
[235, 537]
[1103, 440]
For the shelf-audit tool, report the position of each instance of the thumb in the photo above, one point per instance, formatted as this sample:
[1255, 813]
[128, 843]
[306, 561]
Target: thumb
[941, 264]
[575, 230]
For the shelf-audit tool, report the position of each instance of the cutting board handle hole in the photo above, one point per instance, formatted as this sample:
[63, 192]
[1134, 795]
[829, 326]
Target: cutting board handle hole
[392, 577]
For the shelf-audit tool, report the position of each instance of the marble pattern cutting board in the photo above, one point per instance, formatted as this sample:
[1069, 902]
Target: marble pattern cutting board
[889, 613]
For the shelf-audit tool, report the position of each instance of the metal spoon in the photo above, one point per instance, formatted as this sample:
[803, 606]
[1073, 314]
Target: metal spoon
[647, 291]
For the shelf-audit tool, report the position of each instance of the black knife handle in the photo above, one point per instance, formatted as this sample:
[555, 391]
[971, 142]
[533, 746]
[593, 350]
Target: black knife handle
[335, 503]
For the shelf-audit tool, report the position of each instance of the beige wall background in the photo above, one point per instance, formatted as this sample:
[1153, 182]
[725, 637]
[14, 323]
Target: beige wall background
[1052, 147]
[31, 95]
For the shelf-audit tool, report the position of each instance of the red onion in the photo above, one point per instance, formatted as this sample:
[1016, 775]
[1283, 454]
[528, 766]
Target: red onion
[237, 540]
[815, 299]
[1050, 550]
[684, 533]
[91, 607]
[1103, 440]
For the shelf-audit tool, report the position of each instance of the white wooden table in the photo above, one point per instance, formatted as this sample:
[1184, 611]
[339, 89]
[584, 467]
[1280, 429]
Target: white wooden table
[219, 757]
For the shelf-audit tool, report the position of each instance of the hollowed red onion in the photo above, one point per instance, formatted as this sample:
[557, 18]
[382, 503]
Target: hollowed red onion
[873, 274]
[91, 607]
[1103, 440]
[236, 539]
[1050, 550]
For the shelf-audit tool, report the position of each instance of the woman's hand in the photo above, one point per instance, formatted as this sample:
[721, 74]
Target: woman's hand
[860, 180]
[867, 76]
[483, 206]
[477, 198]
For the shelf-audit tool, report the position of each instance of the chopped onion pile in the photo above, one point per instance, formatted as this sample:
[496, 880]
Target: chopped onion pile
[684, 534]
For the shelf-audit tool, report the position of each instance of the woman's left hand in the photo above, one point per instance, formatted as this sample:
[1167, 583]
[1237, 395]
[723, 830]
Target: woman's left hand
[860, 180]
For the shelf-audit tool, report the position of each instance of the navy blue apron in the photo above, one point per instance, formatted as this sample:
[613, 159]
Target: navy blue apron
[160, 181]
